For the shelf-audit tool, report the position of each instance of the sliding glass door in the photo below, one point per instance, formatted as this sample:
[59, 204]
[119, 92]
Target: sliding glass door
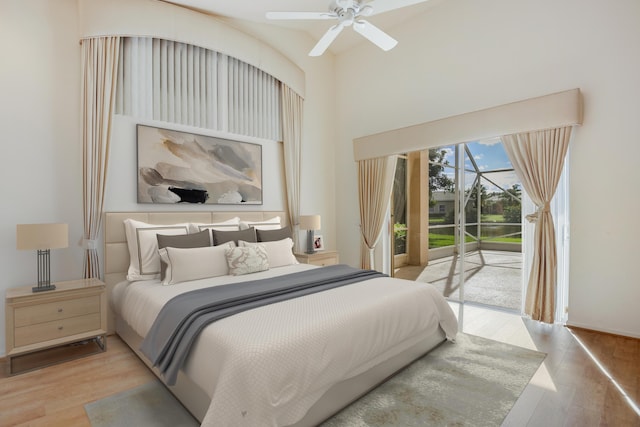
[472, 217]
[468, 216]
[486, 258]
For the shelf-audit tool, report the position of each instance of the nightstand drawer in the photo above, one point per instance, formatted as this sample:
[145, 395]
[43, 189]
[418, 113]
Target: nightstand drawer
[41, 332]
[324, 261]
[40, 313]
[320, 258]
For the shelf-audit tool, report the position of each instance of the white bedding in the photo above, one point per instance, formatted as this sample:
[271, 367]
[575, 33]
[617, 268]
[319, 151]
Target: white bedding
[268, 366]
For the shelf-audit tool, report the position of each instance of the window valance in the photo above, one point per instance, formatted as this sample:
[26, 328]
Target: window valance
[544, 112]
[189, 85]
[151, 18]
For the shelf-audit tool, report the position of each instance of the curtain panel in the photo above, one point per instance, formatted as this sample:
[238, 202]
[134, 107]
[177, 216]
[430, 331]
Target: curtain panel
[186, 84]
[292, 113]
[538, 160]
[99, 73]
[375, 181]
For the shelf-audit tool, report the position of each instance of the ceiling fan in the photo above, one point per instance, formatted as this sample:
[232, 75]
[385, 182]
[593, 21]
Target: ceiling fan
[349, 13]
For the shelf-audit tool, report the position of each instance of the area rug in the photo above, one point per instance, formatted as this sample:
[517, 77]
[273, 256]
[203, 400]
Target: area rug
[149, 405]
[472, 382]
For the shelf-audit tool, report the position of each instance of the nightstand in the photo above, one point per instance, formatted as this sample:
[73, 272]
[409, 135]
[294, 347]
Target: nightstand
[74, 312]
[320, 258]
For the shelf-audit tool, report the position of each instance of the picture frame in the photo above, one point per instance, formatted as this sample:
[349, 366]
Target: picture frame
[318, 243]
[176, 167]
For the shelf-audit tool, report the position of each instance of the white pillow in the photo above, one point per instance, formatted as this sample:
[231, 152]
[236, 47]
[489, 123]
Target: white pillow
[279, 252]
[248, 259]
[232, 224]
[143, 247]
[184, 264]
[267, 224]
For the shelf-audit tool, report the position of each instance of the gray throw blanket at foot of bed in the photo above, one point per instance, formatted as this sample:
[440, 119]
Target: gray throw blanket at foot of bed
[173, 332]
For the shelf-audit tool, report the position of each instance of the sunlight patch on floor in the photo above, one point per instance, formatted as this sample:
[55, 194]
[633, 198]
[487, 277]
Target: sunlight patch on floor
[503, 326]
[633, 405]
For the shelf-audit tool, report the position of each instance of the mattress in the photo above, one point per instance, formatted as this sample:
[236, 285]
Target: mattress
[269, 365]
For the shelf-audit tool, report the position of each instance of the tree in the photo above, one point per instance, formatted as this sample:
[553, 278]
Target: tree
[438, 181]
[400, 191]
[512, 207]
[471, 210]
[514, 191]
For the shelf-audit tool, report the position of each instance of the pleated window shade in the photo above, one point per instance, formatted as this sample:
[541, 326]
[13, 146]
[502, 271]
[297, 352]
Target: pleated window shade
[185, 84]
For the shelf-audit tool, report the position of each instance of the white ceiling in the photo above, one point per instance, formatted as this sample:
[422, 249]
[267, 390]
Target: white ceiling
[255, 10]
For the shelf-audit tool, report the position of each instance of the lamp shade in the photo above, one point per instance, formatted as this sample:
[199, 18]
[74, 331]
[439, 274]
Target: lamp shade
[42, 236]
[310, 222]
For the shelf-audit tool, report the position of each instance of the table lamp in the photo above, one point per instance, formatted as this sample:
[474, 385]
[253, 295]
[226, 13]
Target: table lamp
[43, 238]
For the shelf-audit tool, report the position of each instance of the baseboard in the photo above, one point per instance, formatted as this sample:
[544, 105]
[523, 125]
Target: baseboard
[601, 330]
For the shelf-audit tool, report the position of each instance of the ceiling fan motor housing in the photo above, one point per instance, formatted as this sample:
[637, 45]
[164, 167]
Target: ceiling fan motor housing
[348, 10]
[346, 17]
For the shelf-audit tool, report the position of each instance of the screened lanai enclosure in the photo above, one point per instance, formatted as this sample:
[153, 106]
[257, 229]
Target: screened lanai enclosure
[457, 223]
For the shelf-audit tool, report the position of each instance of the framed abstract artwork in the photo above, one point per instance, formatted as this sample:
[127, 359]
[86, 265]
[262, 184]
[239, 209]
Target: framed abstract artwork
[180, 167]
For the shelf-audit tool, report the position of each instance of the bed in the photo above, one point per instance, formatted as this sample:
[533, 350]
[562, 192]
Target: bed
[291, 363]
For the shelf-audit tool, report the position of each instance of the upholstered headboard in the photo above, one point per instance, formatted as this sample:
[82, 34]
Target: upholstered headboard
[116, 252]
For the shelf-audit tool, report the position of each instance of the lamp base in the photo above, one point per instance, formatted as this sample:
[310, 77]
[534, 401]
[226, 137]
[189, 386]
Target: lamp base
[43, 288]
[44, 272]
[310, 249]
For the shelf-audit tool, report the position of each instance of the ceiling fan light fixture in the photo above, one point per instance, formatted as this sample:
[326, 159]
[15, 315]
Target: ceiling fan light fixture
[347, 17]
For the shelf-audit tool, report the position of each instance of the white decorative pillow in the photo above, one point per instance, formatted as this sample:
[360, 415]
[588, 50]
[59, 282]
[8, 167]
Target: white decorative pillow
[232, 224]
[185, 264]
[143, 247]
[267, 224]
[279, 252]
[248, 259]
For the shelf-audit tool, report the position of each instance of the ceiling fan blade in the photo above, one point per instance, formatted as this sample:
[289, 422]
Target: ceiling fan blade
[381, 39]
[326, 40]
[300, 15]
[381, 6]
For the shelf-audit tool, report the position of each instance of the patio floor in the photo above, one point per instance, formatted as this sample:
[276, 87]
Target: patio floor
[491, 277]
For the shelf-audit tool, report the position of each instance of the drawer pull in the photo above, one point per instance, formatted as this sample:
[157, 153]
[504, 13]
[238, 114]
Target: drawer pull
[60, 328]
[60, 310]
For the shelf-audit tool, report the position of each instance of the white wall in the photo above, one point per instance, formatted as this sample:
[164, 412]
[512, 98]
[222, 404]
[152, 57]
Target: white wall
[466, 55]
[41, 173]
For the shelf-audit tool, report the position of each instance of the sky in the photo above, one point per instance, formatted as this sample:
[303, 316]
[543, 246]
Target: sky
[489, 155]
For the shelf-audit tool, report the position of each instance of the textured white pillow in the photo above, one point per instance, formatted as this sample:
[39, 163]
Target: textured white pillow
[184, 264]
[248, 259]
[267, 224]
[143, 247]
[279, 252]
[232, 224]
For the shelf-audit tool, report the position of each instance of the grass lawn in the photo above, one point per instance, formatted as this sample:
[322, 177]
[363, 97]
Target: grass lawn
[505, 239]
[436, 220]
[492, 218]
[485, 218]
[441, 240]
[437, 240]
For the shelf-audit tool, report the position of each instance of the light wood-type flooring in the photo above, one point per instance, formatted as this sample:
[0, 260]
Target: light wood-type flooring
[587, 378]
